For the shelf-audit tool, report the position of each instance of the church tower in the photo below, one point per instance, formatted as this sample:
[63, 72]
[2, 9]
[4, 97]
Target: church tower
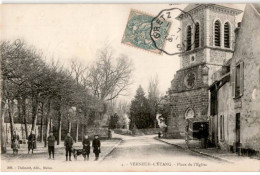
[208, 34]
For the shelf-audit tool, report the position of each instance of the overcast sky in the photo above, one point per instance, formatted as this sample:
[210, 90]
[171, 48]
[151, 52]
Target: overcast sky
[77, 31]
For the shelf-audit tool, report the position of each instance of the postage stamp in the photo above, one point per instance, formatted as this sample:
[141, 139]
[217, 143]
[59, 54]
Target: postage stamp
[137, 32]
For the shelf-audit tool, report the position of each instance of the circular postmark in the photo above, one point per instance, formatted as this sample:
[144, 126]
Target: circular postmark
[179, 38]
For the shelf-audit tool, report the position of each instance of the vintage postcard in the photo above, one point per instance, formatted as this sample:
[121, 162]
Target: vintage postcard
[130, 87]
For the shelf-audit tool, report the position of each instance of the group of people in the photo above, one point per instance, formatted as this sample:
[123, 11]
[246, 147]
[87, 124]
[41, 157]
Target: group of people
[68, 143]
[15, 144]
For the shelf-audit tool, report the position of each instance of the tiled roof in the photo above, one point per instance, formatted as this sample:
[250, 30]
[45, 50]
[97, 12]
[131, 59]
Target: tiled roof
[193, 6]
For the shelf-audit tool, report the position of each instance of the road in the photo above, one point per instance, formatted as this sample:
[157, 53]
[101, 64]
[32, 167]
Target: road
[142, 153]
[147, 154]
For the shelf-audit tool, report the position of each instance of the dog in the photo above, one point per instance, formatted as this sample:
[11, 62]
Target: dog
[77, 152]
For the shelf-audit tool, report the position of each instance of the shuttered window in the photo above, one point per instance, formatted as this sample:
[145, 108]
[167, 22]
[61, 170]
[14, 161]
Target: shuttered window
[197, 35]
[217, 34]
[237, 80]
[188, 38]
[222, 128]
[241, 78]
[227, 35]
[233, 81]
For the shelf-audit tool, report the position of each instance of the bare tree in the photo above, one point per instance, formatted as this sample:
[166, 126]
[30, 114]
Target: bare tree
[154, 97]
[78, 70]
[110, 77]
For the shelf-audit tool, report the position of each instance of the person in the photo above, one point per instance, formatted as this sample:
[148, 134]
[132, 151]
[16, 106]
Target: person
[31, 142]
[96, 147]
[68, 143]
[15, 143]
[51, 145]
[203, 135]
[86, 146]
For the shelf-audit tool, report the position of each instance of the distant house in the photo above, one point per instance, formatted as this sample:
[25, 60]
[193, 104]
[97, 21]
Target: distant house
[235, 92]
[20, 130]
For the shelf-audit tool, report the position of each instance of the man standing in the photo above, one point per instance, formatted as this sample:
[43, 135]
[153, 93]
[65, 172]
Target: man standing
[31, 142]
[68, 143]
[51, 144]
[96, 147]
[86, 146]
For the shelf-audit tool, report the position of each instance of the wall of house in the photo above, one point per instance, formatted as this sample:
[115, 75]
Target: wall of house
[247, 50]
[226, 109]
[20, 130]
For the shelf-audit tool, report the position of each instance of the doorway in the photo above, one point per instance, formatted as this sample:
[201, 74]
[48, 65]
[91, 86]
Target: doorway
[237, 132]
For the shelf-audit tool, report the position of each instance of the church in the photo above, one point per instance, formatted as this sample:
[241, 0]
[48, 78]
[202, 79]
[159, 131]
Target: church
[210, 38]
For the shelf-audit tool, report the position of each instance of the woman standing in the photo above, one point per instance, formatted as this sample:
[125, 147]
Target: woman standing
[86, 146]
[15, 143]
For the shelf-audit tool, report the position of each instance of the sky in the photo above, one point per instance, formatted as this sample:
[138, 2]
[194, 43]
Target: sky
[66, 31]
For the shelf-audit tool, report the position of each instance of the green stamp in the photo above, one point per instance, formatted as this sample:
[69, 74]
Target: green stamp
[138, 32]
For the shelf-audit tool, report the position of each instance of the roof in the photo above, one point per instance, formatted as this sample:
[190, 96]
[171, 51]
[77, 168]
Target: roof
[191, 7]
[257, 7]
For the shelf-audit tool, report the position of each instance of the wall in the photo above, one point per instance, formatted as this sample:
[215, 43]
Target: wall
[247, 50]
[196, 99]
[226, 109]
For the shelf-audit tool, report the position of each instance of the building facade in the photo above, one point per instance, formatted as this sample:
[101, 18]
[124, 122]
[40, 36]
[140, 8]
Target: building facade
[208, 36]
[235, 102]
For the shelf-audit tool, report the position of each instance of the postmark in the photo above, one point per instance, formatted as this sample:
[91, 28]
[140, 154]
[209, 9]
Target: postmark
[174, 43]
[137, 32]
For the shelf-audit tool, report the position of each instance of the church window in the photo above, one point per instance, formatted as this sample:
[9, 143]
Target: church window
[227, 35]
[197, 35]
[188, 38]
[217, 34]
[189, 113]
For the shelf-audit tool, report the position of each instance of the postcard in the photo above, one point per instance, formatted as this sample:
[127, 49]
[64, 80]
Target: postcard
[130, 87]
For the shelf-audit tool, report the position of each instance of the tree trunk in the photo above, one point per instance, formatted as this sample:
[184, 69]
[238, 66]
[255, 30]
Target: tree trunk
[11, 118]
[51, 127]
[77, 132]
[59, 130]
[41, 134]
[3, 135]
[59, 125]
[19, 109]
[48, 122]
[34, 111]
[69, 126]
[42, 115]
[24, 116]
[82, 132]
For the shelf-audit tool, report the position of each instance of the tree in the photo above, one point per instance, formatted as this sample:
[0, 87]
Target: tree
[139, 110]
[153, 97]
[110, 77]
[78, 71]
[34, 91]
[123, 112]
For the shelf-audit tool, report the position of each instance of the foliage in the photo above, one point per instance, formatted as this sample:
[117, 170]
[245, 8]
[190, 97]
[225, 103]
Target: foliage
[140, 111]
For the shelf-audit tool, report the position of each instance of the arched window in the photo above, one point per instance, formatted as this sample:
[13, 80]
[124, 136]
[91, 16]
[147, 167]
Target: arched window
[217, 34]
[227, 35]
[197, 35]
[188, 38]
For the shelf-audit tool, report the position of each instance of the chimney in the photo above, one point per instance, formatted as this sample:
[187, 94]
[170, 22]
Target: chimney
[237, 29]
